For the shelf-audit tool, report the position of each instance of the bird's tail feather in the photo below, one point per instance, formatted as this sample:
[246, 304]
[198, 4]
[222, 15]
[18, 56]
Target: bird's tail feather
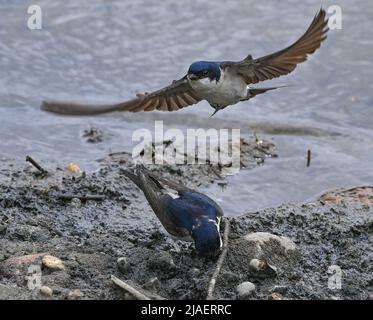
[255, 91]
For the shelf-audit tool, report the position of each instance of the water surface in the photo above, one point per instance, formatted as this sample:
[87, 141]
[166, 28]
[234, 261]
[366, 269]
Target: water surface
[109, 50]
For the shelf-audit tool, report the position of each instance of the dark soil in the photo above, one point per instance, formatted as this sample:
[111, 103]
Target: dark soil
[40, 214]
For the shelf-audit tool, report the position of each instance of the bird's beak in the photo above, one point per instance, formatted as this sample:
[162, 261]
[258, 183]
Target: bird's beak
[192, 76]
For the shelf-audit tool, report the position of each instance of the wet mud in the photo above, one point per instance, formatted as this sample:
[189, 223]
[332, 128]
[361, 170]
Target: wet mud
[99, 224]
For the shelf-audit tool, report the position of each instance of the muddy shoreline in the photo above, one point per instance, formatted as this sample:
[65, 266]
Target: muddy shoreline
[40, 215]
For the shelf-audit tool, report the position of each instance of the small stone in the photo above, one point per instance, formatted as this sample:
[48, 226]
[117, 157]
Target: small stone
[370, 296]
[46, 291]
[75, 293]
[53, 263]
[261, 265]
[257, 264]
[73, 167]
[275, 296]
[123, 265]
[245, 290]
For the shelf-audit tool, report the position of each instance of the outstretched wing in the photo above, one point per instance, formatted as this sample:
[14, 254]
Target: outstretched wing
[284, 61]
[177, 95]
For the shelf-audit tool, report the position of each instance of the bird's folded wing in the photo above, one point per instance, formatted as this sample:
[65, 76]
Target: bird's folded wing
[168, 184]
[157, 198]
[284, 61]
[177, 95]
[151, 190]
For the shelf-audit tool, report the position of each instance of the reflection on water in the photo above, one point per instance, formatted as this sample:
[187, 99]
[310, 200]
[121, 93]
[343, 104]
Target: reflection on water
[108, 51]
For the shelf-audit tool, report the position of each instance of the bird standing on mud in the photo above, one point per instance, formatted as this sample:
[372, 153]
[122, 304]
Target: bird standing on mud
[185, 214]
[221, 84]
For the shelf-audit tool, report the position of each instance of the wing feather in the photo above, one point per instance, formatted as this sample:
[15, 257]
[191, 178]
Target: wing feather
[284, 61]
[176, 96]
[170, 98]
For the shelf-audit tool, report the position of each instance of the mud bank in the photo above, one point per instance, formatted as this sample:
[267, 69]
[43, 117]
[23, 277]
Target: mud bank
[39, 215]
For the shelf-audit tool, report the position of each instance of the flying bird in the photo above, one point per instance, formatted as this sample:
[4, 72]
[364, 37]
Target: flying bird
[184, 213]
[221, 84]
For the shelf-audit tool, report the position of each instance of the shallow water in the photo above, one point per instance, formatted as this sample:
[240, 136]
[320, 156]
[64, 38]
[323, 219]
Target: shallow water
[108, 50]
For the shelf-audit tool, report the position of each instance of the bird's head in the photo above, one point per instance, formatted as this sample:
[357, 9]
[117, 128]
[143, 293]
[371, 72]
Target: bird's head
[207, 239]
[204, 69]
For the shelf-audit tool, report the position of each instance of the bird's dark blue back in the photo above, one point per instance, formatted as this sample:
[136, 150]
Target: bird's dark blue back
[190, 207]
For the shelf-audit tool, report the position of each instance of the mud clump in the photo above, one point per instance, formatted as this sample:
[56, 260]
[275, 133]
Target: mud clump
[298, 243]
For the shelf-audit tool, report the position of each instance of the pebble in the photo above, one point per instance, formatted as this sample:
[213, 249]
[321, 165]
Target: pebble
[261, 265]
[46, 291]
[275, 296]
[245, 290]
[75, 293]
[53, 263]
[257, 264]
[123, 264]
[73, 167]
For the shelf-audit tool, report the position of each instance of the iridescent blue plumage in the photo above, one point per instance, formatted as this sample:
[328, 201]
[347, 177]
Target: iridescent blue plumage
[183, 212]
[205, 68]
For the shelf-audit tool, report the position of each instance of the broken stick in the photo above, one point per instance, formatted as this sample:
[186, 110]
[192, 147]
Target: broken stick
[137, 294]
[36, 165]
[210, 290]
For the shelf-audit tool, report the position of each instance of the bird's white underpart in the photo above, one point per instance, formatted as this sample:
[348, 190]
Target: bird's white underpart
[227, 91]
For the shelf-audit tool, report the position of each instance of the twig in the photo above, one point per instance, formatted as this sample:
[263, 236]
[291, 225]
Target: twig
[308, 158]
[137, 294]
[81, 197]
[36, 165]
[223, 254]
